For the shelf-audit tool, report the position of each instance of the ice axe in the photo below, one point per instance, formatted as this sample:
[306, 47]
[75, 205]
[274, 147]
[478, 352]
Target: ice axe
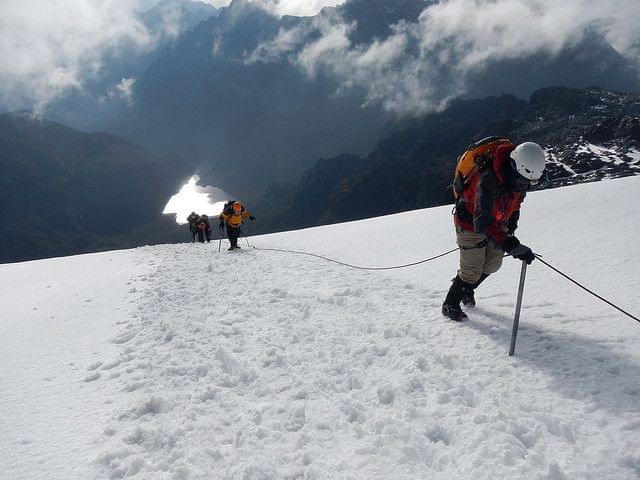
[220, 241]
[516, 318]
[246, 237]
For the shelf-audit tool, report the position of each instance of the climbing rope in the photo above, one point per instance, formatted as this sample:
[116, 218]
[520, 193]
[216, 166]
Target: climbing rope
[395, 267]
[357, 267]
[587, 290]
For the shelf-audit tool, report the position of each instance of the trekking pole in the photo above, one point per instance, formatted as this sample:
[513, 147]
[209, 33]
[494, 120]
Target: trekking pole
[516, 318]
[246, 237]
[220, 242]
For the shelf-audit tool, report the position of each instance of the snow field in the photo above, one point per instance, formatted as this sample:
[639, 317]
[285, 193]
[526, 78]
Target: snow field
[57, 317]
[263, 365]
[353, 375]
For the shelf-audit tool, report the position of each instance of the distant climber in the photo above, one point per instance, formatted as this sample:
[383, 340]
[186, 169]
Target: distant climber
[204, 228]
[490, 184]
[232, 216]
[193, 220]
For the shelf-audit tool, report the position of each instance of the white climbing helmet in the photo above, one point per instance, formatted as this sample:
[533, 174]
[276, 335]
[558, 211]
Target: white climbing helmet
[528, 158]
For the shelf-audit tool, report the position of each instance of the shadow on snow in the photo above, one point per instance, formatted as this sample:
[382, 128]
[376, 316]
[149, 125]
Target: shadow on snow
[578, 367]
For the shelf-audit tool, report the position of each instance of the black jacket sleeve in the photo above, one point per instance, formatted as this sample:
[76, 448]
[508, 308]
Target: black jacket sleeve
[512, 224]
[484, 221]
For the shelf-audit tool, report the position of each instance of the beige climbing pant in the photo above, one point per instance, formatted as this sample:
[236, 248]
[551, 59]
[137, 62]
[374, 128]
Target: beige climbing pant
[477, 256]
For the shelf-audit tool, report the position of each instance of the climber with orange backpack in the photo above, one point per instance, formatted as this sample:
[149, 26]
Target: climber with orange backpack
[489, 185]
[232, 216]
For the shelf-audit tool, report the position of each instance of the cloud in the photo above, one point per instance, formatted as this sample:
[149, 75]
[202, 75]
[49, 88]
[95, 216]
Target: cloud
[51, 48]
[123, 90]
[313, 43]
[48, 48]
[195, 198]
[478, 32]
[301, 8]
[422, 65]
[218, 3]
[171, 20]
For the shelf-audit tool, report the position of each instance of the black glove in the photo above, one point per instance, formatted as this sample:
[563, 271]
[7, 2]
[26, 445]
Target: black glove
[524, 253]
[252, 218]
[221, 226]
[509, 244]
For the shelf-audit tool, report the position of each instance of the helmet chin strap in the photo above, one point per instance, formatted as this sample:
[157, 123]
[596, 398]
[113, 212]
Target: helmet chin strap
[516, 181]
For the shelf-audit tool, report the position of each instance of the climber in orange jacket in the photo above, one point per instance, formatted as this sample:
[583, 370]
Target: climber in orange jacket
[232, 216]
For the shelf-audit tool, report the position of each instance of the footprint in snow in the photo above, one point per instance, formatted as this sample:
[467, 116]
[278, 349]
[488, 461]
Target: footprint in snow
[124, 338]
[110, 365]
[94, 366]
[91, 377]
[507, 304]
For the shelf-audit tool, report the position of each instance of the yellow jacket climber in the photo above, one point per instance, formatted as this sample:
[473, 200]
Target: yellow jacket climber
[232, 216]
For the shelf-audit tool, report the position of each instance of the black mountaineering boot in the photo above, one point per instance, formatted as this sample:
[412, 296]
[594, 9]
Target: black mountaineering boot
[451, 307]
[454, 312]
[468, 298]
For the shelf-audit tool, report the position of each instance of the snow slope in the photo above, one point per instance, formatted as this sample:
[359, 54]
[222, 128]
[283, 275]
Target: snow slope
[177, 362]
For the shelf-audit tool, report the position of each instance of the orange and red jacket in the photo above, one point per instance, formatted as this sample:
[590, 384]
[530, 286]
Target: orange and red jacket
[487, 206]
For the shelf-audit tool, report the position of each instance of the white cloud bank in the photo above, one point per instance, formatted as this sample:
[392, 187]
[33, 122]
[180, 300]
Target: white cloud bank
[421, 65]
[49, 47]
[300, 8]
[195, 198]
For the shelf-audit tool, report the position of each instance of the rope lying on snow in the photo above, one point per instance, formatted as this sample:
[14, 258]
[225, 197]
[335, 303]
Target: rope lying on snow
[435, 257]
[357, 267]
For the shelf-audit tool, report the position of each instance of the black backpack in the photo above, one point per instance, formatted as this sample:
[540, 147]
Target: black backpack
[228, 207]
[193, 218]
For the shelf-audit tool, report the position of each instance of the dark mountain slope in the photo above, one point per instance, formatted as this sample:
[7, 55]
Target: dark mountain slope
[592, 62]
[246, 123]
[589, 134]
[64, 191]
[99, 101]
[304, 205]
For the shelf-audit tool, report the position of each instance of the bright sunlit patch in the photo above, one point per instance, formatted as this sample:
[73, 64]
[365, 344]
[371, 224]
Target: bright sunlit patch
[194, 198]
